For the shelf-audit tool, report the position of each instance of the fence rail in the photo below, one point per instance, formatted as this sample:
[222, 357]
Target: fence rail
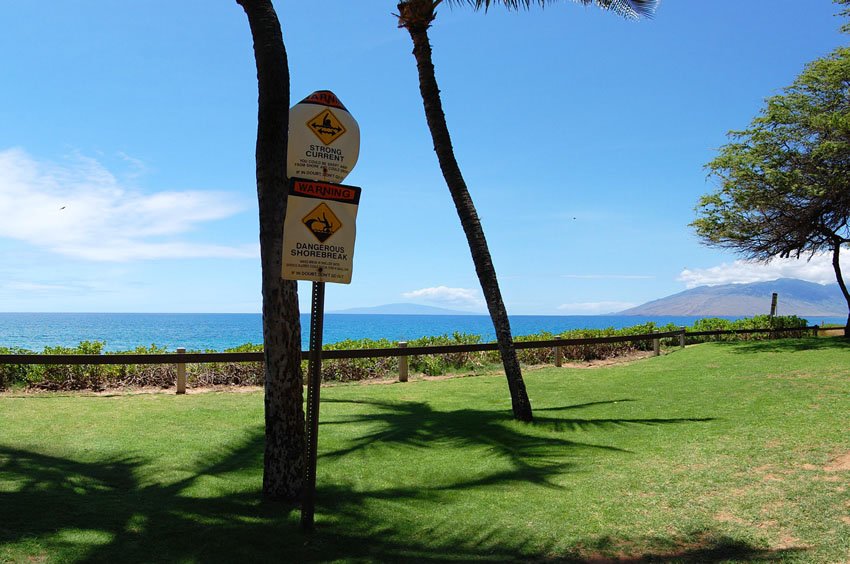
[401, 351]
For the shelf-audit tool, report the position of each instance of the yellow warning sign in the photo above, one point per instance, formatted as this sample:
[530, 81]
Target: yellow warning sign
[326, 126]
[322, 222]
[319, 231]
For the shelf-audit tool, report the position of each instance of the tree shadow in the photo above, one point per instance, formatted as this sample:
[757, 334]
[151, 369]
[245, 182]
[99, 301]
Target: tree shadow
[583, 405]
[788, 345]
[692, 547]
[109, 510]
[417, 424]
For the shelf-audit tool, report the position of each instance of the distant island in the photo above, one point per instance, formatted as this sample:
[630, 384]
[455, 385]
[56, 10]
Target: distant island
[405, 309]
[796, 297]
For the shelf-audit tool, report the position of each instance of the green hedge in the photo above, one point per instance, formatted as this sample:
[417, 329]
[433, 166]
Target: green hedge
[99, 377]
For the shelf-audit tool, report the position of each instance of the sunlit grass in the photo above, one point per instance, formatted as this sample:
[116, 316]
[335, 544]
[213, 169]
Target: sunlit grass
[719, 451]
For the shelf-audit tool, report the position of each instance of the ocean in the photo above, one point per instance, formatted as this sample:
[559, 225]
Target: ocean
[219, 331]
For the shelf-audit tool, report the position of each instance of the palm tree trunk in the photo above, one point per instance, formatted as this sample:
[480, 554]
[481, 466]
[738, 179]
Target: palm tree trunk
[836, 266]
[283, 466]
[469, 219]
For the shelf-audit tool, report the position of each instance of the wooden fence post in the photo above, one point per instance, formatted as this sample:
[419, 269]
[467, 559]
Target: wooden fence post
[682, 337]
[656, 346]
[181, 373]
[402, 363]
[559, 357]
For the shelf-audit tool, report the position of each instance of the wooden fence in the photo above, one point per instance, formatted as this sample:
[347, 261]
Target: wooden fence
[181, 358]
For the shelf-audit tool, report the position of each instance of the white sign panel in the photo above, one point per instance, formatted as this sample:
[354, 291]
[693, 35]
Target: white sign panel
[324, 140]
[319, 231]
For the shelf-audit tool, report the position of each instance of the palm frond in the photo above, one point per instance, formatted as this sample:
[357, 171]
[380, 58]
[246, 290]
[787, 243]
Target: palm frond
[630, 9]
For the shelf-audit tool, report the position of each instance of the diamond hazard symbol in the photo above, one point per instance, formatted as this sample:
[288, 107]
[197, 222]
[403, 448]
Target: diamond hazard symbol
[322, 222]
[326, 126]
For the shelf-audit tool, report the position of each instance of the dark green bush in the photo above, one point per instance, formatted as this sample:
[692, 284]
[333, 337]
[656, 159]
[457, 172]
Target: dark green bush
[353, 369]
[69, 376]
[434, 365]
[12, 375]
[227, 373]
[141, 375]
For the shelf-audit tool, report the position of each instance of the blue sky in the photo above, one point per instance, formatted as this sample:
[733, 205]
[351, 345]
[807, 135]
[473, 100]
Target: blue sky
[127, 136]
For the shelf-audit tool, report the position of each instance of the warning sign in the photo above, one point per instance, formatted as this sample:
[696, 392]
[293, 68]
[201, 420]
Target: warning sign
[319, 231]
[322, 222]
[326, 126]
[324, 98]
[324, 140]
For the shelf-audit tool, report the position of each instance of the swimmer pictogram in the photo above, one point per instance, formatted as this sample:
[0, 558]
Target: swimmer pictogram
[326, 126]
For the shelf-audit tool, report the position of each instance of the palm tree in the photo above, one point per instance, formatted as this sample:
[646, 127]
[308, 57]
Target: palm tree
[416, 16]
[284, 457]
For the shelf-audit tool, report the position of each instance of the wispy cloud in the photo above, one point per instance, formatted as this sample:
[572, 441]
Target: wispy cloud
[80, 209]
[137, 166]
[593, 308]
[818, 269]
[609, 276]
[36, 287]
[445, 296]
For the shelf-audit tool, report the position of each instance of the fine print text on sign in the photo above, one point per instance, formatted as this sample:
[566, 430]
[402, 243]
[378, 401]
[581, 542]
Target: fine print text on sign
[324, 139]
[319, 231]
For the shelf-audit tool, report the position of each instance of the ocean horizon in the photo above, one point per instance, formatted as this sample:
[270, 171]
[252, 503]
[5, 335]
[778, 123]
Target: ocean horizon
[220, 331]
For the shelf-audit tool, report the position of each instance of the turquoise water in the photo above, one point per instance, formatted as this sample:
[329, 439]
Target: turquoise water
[124, 331]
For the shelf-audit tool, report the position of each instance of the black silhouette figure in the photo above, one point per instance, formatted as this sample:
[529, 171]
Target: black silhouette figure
[321, 228]
[326, 127]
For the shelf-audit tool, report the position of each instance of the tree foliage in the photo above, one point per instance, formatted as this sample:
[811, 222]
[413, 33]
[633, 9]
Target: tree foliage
[784, 182]
[631, 9]
[784, 185]
[845, 12]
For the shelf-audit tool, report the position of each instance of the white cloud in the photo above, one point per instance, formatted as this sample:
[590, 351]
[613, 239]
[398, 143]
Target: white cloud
[445, 296]
[818, 269]
[79, 209]
[593, 308]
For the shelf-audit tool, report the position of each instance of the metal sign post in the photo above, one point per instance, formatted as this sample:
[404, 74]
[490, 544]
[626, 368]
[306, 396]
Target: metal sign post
[314, 385]
[318, 234]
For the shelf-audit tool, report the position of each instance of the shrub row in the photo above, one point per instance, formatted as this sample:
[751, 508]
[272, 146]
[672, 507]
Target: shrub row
[100, 377]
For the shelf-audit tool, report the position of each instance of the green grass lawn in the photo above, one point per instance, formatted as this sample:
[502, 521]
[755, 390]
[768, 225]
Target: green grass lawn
[721, 452]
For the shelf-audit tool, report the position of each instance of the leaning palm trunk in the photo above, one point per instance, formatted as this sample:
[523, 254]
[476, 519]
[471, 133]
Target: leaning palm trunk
[468, 218]
[283, 467]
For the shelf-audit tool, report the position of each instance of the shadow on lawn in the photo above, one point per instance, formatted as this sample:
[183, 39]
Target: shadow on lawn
[789, 345]
[417, 424]
[108, 511]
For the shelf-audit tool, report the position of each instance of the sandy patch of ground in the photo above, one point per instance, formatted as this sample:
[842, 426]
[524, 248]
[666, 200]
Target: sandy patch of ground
[835, 332]
[840, 463]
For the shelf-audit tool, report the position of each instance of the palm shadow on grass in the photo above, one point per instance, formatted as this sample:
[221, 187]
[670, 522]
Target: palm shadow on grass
[419, 425]
[110, 510]
[788, 345]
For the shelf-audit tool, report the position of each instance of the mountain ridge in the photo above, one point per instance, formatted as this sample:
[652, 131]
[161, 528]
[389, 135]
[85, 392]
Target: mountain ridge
[796, 297]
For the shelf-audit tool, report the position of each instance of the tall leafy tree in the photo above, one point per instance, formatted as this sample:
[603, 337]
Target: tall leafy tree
[284, 459]
[416, 16]
[784, 182]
